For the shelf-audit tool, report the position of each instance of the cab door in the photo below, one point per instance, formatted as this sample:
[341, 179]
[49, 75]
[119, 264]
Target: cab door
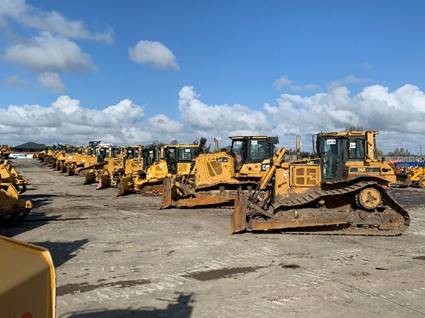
[333, 158]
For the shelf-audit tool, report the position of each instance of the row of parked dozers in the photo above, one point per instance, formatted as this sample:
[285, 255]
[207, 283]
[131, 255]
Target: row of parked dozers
[341, 188]
[132, 169]
[12, 206]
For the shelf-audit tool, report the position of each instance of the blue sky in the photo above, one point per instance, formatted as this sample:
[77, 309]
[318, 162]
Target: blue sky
[232, 52]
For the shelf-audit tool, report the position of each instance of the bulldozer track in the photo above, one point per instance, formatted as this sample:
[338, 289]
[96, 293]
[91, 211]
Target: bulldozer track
[351, 189]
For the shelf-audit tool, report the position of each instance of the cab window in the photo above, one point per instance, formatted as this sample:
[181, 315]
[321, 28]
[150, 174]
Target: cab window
[185, 154]
[259, 150]
[356, 148]
[236, 146]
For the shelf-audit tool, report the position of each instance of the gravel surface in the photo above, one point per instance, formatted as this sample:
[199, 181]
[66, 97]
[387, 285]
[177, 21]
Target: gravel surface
[122, 257]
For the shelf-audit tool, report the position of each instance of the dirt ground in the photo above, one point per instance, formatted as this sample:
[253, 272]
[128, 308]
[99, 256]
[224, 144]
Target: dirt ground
[122, 257]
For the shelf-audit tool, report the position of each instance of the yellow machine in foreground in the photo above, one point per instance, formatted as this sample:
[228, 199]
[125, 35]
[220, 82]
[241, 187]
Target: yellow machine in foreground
[314, 195]
[169, 160]
[217, 176]
[27, 276]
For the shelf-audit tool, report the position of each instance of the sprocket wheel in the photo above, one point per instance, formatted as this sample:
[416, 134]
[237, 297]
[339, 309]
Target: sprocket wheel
[369, 198]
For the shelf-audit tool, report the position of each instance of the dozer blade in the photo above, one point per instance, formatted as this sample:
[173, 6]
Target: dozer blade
[238, 220]
[104, 182]
[152, 189]
[209, 200]
[124, 186]
[167, 200]
[300, 223]
[90, 178]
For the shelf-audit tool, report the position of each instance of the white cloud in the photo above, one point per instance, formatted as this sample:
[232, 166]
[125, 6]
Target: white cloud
[281, 82]
[284, 82]
[398, 114]
[348, 80]
[153, 53]
[16, 82]
[219, 120]
[47, 52]
[53, 22]
[304, 87]
[162, 123]
[52, 81]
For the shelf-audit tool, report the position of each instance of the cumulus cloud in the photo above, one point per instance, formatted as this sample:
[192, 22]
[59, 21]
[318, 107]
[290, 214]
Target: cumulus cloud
[52, 81]
[16, 82]
[153, 53]
[53, 22]
[47, 52]
[219, 120]
[398, 115]
[65, 120]
[45, 41]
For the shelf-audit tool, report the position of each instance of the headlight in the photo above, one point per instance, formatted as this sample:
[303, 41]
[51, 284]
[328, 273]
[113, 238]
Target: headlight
[222, 159]
[265, 166]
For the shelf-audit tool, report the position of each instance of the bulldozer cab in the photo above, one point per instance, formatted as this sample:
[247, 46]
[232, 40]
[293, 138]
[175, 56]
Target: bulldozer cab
[179, 154]
[150, 155]
[337, 149]
[134, 152]
[252, 149]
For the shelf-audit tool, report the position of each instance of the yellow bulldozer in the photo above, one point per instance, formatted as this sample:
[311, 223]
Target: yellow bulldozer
[5, 151]
[346, 155]
[12, 207]
[87, 159]
[217, 176]
[416, 177]
[352, 155]
[27, 275]
[71, 158]
[46, 155]
[159, 163]
[115, 167]
[9, 174]
[325, 194]
[58, 152]
[109, 159]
